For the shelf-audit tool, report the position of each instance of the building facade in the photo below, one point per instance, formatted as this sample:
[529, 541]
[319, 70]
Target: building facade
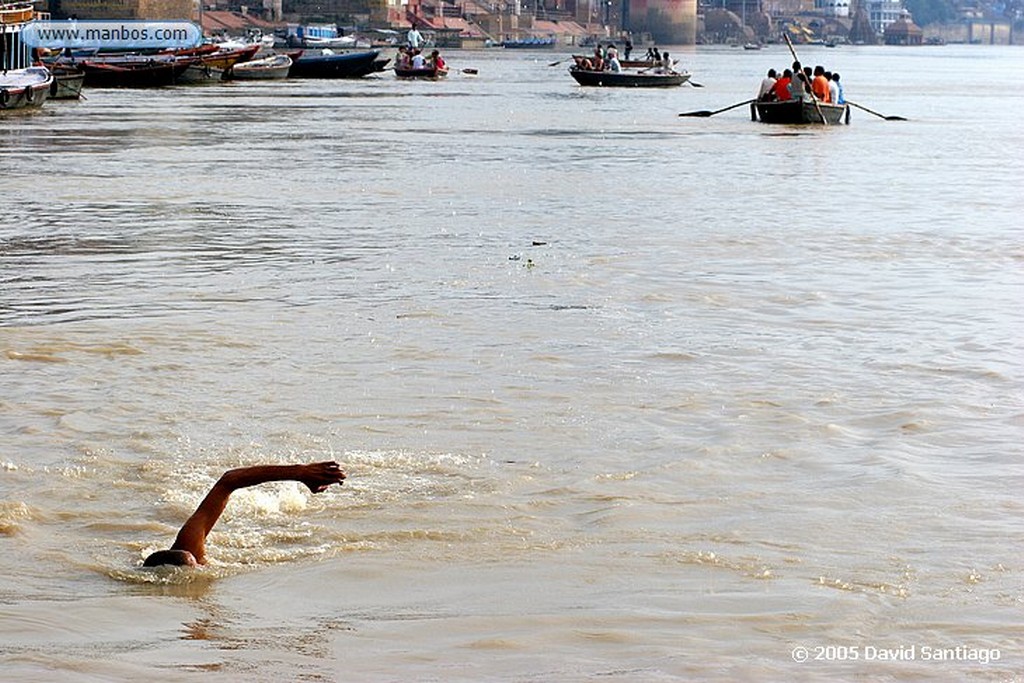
[124, 9]
[881, 13]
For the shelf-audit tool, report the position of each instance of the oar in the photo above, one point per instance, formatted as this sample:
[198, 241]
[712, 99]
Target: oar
[704, 113]
[792, 51]
[881, 116]
[559, 62]
[695, 84]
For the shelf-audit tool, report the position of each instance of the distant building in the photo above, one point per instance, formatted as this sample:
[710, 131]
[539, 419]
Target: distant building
[903, 31]
[835, 8]
[881, 13]
[124, 9]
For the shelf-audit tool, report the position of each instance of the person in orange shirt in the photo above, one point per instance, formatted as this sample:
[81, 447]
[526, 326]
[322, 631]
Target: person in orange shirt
[819, 86]
[782, 85]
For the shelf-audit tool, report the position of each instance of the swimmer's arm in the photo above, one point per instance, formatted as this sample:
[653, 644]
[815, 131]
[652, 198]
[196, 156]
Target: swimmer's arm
[192, 537]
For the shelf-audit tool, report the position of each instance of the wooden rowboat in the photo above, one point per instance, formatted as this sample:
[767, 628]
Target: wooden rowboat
[67, 83]
[24, 88]
[628, 79]
[269, 68]
[148, 74]
[800, 112]
[212, 67]
[427, 73]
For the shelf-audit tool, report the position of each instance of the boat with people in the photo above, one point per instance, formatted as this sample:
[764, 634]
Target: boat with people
[336, 65]
[426, 73]
[645, 78]
[804, 95]
[412, 64]
[23, 87]
[268, 68]
[800, 112]
[786, 99]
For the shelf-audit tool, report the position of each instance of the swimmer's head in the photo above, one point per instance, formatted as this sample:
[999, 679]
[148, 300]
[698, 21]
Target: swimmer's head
[176, 558]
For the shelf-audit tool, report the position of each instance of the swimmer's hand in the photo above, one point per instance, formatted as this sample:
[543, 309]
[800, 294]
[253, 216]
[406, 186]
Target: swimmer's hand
[319, 476]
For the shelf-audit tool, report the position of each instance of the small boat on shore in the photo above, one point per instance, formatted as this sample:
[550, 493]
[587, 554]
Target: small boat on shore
[428, 73]
[628, 79]
[344, 65]
[800, 112]
[199, 72]
[268, 68]
[213, 66]
[25, 88]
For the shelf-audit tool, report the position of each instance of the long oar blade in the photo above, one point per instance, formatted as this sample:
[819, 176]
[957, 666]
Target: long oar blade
[704, 113]
[875, 113]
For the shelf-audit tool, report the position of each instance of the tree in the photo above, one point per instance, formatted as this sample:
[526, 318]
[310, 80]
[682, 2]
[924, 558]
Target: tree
[927, 12]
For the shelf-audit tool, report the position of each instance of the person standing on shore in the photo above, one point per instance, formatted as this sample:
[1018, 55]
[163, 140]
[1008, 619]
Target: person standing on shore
[414, 38]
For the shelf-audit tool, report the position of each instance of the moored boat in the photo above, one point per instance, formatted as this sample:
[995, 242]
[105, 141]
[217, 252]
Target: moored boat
[24, 88]
[67, 83]
[135, 74]
[269, 68]
[225, 59]
[800, 112]
[212, 67]
[197, 72]
[346, 65]
[628, 79]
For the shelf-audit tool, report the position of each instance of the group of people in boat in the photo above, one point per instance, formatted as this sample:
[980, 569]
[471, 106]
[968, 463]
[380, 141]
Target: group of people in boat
[607, 59]
[801, 83]
[413, 58]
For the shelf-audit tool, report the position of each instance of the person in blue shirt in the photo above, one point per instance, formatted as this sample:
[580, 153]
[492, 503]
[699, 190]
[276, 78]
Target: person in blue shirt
[840, 97]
